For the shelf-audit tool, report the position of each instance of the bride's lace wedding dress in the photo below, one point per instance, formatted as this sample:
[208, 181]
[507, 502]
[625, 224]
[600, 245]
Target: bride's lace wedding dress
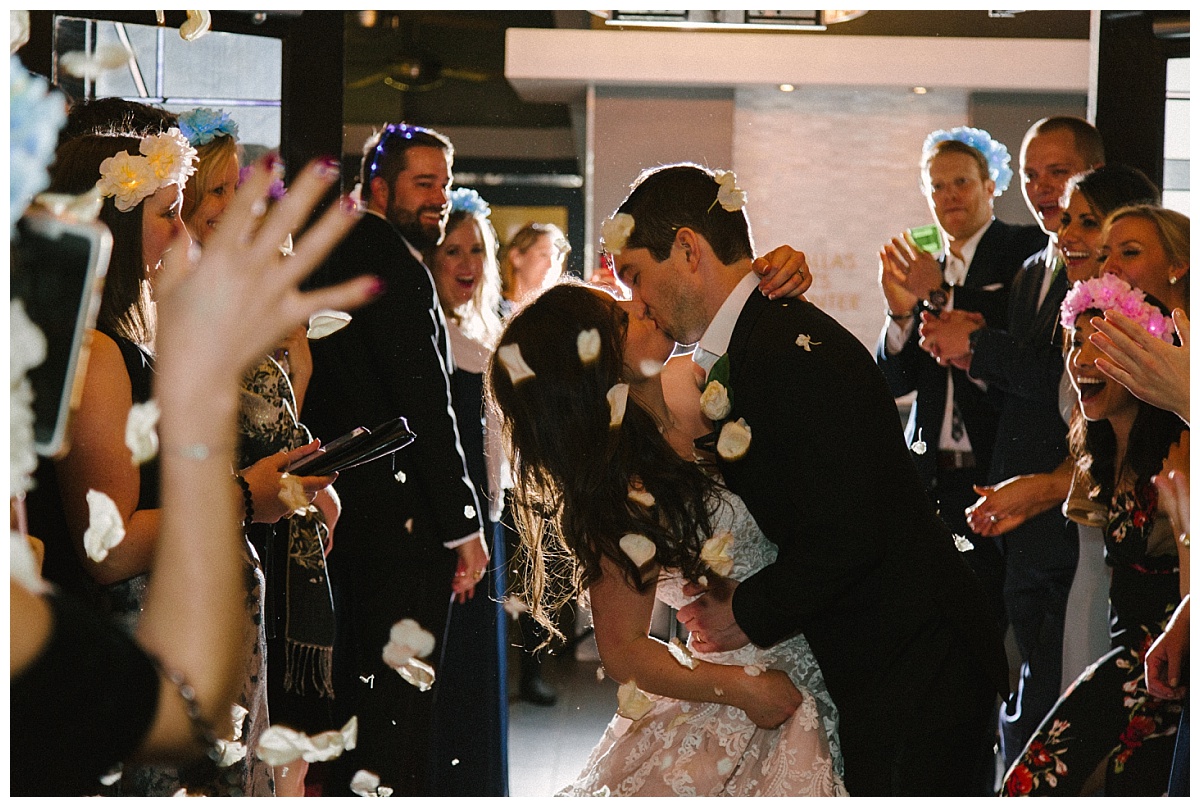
[683, 748]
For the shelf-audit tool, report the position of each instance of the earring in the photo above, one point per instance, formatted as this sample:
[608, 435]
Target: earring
[1173, 279]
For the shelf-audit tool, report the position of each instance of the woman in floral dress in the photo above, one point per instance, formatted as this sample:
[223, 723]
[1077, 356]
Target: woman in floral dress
[1106, 722]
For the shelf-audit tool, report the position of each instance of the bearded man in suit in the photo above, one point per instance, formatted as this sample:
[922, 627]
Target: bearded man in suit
[866, 570]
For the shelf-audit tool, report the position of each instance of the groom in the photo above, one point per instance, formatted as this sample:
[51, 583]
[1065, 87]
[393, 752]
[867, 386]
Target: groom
[866, 570]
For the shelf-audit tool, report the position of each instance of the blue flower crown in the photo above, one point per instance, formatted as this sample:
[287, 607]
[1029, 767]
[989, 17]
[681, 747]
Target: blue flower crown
[202, 124]
[469, 201]
[992, 150]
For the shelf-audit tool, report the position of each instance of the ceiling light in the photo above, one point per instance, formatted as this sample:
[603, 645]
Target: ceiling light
[787, 87]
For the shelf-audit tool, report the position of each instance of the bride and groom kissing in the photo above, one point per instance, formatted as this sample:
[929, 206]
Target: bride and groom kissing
[816, 540]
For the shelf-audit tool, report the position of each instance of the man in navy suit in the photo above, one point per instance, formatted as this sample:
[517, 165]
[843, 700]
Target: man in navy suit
[866, 570]
[410, 532]
[952, 414]
[1025, 361]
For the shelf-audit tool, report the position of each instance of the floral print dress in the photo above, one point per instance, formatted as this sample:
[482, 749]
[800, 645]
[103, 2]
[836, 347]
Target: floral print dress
[1106, 715]
[683, 748]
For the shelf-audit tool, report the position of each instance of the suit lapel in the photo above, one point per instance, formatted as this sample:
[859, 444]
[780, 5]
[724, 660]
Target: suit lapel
[751, 311]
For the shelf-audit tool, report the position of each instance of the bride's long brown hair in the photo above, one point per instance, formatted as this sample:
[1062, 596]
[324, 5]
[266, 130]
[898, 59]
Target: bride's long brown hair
[572, 473]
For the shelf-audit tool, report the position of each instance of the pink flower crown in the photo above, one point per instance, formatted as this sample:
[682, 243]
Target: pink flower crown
[1110, 293]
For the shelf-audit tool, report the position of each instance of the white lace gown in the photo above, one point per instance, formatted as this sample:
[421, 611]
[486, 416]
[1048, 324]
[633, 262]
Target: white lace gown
[684, 748]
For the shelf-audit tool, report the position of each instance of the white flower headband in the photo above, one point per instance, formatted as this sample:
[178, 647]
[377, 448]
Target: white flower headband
[164, 159]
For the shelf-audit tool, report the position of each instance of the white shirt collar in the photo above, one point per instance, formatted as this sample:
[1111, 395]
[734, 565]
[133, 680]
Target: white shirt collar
[953, 267]
[715, 340]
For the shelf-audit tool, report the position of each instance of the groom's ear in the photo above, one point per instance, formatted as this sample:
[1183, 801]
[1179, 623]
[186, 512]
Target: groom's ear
[687, 241]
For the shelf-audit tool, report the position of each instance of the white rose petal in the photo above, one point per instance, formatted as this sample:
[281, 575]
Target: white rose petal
[615, 231]
[366, 783]
[113, 776]
[105, 529]
[734, 441]
[230, 752]
[419, 674]
[181, 793]
[632, 702]
[715, 553]
[618, 396]
[650, 368]
[327, 321]
[639, 548]
[18, 30]
[406, 640]
[197, 25]
[753, 670]
[515, 606]
[805, 341]
[588, 345]
[718, 691]
[84, 206]
[408, 526]
[678, 721]
[600, 673]
[962, 544]
[682, 654]
[238, 713]
[643, 497]
[141, 431]
[703, 580]
[401, 477]
[291, 493]
[81, 65]
[714, 401]
[510, 356]
[279, 745]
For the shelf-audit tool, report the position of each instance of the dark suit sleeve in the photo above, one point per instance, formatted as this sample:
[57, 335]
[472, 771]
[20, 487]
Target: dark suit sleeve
[389, 363]
[901, 370]
[828, 476]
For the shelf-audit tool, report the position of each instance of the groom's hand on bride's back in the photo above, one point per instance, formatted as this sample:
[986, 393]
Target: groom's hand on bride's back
[709, 618]
[771, 698]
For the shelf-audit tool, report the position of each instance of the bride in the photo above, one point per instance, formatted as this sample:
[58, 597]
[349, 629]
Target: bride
[607, 508]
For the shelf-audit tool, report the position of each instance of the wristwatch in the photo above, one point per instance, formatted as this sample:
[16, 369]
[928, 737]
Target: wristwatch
[937, 299]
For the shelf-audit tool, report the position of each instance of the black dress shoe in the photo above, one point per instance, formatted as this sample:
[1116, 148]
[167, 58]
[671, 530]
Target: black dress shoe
[538, 692]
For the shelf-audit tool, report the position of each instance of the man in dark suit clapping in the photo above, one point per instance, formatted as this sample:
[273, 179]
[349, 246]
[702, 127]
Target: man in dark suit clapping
[866, 571]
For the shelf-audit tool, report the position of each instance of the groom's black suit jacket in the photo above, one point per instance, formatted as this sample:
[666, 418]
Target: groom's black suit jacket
[866, 570]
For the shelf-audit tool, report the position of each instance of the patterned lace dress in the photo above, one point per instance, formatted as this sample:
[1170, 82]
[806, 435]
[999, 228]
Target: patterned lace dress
[683, 748]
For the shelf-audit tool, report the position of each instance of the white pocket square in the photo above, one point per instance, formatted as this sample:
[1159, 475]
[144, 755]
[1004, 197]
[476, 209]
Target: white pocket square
[992, 287]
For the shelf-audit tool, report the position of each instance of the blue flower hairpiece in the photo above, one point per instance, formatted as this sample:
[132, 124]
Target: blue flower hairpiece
[467, 200]
[202, 124]
[992, 150]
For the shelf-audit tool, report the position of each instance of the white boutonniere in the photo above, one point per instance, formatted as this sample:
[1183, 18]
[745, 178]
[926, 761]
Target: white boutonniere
[141, 431]
[729, 195]
[918, 446]
[962, 544]
[615, 231]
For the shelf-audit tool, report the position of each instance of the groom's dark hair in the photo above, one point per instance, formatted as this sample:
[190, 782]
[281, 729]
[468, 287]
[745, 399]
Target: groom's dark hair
[684, 195]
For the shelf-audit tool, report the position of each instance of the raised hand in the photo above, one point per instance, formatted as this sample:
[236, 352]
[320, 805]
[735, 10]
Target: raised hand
[1147, 366]
[784, 272]
[906, 274]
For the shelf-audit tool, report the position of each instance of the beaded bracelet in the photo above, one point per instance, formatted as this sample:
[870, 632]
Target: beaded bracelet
[249, 499]
[202, 730]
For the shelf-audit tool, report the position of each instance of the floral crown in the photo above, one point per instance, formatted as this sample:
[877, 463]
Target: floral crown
[467, 200]
[164, 159]
[993, 151]
[202, 124]
[1108, 293]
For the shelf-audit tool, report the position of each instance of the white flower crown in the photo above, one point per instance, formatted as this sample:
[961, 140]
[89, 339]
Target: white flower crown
[164, 159]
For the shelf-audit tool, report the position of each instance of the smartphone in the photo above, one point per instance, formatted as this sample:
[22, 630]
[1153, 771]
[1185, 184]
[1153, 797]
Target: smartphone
[58, 270]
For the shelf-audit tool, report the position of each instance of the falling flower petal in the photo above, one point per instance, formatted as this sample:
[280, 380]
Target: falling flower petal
[90, 67]
[406, 640]
[715, 553]
[366, 783]
[113, 776]
[714, 401]
[678, 721]
[650, 368]
[805, 341]
[83, 207]
[729, 195]
[632, 702]
[639, 548]
[18, 30]
[291, 493]
[105, 529]
[419, 674]
[181, 793]
[615, 231]
[618, 396]
[734, 441]
[600, 673]
[682, 654]
[643, 497]
[718, 691]
[408, 526]
[510, 356]
[141, 432]
[327, 321]
[962, 544]
[230, 752]
[238, 713]
[588, 345]
[198, 24]
[703, 580]
[515, 606]
[279, 745]
[753, 670]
